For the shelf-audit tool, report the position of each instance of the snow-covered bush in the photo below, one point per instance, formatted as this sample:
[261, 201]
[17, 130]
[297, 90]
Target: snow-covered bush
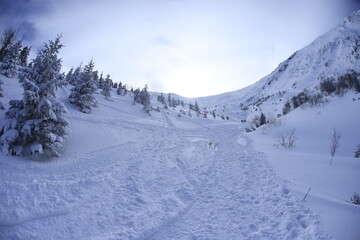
[327, 86]
[355, 198]
[349, 80]
[82, 94]
[286, 139]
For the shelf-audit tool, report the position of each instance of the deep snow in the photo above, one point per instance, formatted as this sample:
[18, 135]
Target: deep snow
[308, 164]
[127, 175]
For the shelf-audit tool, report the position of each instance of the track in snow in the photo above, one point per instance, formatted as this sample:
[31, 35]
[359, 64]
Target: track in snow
[170, 184]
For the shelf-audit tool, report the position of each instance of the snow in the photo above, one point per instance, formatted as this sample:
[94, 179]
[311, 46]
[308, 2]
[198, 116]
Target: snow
[125, 174]
[308, 164]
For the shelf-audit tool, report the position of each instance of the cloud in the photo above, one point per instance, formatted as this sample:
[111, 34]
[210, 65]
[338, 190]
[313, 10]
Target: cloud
[189, 47]
[26, 31]
[162, 41]
[18, 14]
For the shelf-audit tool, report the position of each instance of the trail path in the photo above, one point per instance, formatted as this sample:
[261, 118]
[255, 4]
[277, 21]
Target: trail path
[194, 181]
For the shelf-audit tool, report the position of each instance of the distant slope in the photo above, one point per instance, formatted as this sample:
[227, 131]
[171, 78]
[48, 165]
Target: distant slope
[331, 55]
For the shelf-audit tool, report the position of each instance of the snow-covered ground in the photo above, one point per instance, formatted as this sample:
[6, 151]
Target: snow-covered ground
[127, 175]
[308, 164]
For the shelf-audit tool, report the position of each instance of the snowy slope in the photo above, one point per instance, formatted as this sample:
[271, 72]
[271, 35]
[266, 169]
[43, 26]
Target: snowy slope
[128, 175]
[330, 55]
[307, 165]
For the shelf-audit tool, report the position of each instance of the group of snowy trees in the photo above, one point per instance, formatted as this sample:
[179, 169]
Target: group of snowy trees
[85, 86]
[142, 97]
[12, 53]
[170, 101]
[36, 124]
[86, 82]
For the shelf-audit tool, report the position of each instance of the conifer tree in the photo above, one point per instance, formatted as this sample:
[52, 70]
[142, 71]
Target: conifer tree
[9, 66]
[82, 94]
[69, 75]
[6, 41]
[119, 89]
[196, 107]
[24, 54]
[169, 100]
[106, 87]
[1, 95]
[37, 120]
[74, 76]
[161, 98]
[145, 99]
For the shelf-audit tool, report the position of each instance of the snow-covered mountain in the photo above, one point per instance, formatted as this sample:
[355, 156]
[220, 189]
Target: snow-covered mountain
[331, 55]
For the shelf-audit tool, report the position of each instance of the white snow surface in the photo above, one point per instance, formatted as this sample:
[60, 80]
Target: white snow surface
[127, 175]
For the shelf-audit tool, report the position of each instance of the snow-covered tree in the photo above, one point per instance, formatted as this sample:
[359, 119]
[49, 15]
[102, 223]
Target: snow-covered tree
[161, 98]
[24, 54]
[262, 120]
[9, 66]
[196, 107]
[142, 97]
[169, 100]
[106, 88]
[69, 75]
[6, 41]
[145, 99]
[1, 95]
[73, 75]
[36, 122]
[82, 94]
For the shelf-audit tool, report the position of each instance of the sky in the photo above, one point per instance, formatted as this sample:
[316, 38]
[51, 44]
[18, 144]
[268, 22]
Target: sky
[190, 47]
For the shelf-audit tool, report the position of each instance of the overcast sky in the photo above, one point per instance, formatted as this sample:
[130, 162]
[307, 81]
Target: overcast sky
[190, 47]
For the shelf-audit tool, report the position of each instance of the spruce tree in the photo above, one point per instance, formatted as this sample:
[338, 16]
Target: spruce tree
[9, 66]
[106, 87]
[145, 99]
[119, 89]
[73, 76]
[37, 121]
[24, 54]
[1, 95]
[82, 94]
[69, 75]
[196, 107]
[6, 41]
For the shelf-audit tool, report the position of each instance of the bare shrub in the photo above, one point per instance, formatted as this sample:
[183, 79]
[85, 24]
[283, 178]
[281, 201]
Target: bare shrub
[334, 144]
[286, 139]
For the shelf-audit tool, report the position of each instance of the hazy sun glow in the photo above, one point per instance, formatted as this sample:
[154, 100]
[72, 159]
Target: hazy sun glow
[193, 48]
